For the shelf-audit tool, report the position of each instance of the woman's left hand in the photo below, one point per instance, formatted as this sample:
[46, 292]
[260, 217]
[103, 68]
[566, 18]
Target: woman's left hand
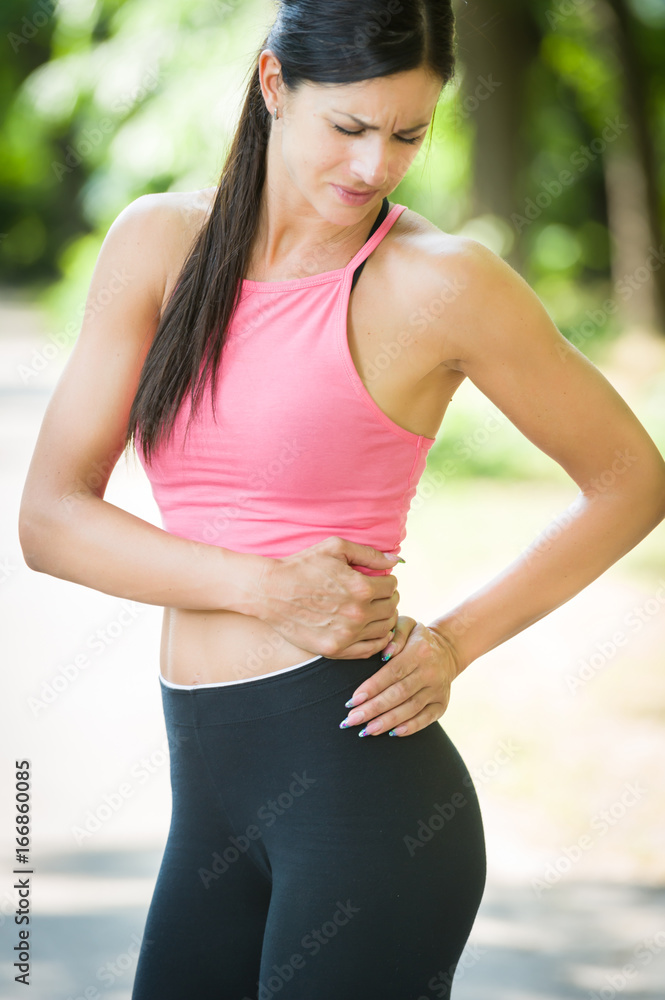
[412, 689]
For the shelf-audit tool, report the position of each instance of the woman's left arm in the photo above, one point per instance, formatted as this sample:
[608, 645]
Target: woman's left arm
[499, 334]
[509, 347]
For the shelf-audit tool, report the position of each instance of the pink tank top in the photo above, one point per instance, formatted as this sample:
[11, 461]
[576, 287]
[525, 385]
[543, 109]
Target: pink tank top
[300, 450]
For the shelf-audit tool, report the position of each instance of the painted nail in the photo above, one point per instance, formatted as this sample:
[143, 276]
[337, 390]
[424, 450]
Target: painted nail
[352, 719]
[370, 729]
[357, 699]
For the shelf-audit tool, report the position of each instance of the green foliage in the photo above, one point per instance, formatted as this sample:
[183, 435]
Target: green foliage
[131, 97]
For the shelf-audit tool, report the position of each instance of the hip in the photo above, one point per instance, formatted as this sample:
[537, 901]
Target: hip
[271, 755]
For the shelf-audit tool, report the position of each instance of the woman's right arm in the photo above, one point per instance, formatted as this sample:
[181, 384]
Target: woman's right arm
[66, 528]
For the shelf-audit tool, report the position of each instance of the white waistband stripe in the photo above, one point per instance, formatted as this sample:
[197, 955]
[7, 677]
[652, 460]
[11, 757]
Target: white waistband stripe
[244, 680]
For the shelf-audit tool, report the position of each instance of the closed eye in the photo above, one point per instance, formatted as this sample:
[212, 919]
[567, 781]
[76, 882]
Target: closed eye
[409, 142]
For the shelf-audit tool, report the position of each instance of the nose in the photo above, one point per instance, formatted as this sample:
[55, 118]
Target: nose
[372, 165]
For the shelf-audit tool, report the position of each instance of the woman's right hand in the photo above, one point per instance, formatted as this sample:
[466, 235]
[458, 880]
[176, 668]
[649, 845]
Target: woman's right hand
[318, 602]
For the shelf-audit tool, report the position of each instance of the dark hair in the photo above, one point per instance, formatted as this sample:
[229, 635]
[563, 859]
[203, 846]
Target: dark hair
[321, 41]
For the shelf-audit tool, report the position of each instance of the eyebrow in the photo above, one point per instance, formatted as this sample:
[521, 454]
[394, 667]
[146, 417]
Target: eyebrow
[376, 128]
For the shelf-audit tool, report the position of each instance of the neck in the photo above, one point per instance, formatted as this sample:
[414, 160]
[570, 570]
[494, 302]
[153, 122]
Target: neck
[292, 235]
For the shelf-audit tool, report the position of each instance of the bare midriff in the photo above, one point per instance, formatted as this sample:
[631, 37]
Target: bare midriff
[204, 647]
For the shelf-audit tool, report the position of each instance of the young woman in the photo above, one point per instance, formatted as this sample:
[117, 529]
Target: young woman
[283, 410]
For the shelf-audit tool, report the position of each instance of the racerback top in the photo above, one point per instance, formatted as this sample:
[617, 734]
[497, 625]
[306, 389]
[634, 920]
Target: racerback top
[299, 450]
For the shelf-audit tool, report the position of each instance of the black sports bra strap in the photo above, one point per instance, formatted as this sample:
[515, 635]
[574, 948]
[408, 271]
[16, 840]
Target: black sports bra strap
[379, 219]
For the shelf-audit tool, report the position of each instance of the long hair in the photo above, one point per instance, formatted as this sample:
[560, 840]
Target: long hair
[320, 41]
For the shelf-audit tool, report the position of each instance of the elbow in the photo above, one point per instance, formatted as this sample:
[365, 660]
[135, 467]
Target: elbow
[44, 530]
[648, 499]
[654, 492]
[33, 534]
[638, 477]
[660, 504]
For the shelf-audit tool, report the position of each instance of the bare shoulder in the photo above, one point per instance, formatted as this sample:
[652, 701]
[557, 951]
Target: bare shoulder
[422, 244]
[450, 288]
[182, 210]
[159, 228]
[436, 279]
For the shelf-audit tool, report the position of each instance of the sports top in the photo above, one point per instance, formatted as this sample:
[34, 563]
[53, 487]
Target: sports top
[299, 450]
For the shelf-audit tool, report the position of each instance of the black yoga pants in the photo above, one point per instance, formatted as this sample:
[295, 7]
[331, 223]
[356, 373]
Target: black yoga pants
[304, 862]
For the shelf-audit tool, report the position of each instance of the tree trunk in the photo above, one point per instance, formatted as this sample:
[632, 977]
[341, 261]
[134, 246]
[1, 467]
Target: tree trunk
[497, 49]
[632, 190]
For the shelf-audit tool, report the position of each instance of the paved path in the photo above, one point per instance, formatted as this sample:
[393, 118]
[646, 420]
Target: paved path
[572, 943]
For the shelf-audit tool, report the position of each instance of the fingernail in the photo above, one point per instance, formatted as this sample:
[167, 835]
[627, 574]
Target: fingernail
[388, 651]
[356, 700]
[352, 719]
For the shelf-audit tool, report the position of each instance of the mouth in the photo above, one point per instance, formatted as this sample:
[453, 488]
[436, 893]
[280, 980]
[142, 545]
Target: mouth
[354, 197]
[353, 190]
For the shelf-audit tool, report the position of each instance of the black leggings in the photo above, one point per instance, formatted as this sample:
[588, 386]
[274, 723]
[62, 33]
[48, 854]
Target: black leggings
[304, 862]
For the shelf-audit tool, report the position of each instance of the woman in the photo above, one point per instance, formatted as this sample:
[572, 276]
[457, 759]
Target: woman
[247, 362]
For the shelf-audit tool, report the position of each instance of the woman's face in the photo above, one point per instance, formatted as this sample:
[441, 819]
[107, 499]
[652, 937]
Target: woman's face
[388, 118]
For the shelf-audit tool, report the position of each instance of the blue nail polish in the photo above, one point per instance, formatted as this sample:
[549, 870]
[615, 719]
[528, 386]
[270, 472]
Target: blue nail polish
[386, 658]
[363, 732]
[349, 703]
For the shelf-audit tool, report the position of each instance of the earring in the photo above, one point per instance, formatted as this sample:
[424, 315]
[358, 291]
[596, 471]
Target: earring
[275, 114]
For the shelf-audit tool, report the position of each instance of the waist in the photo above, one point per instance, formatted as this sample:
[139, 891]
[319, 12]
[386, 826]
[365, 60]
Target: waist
[204, 647]
[265, 696]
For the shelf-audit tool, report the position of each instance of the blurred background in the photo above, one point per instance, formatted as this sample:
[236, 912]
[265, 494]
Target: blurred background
[549, 147]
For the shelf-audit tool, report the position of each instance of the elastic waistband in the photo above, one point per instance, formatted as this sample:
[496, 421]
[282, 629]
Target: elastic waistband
[273, 694]
[242, 680]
